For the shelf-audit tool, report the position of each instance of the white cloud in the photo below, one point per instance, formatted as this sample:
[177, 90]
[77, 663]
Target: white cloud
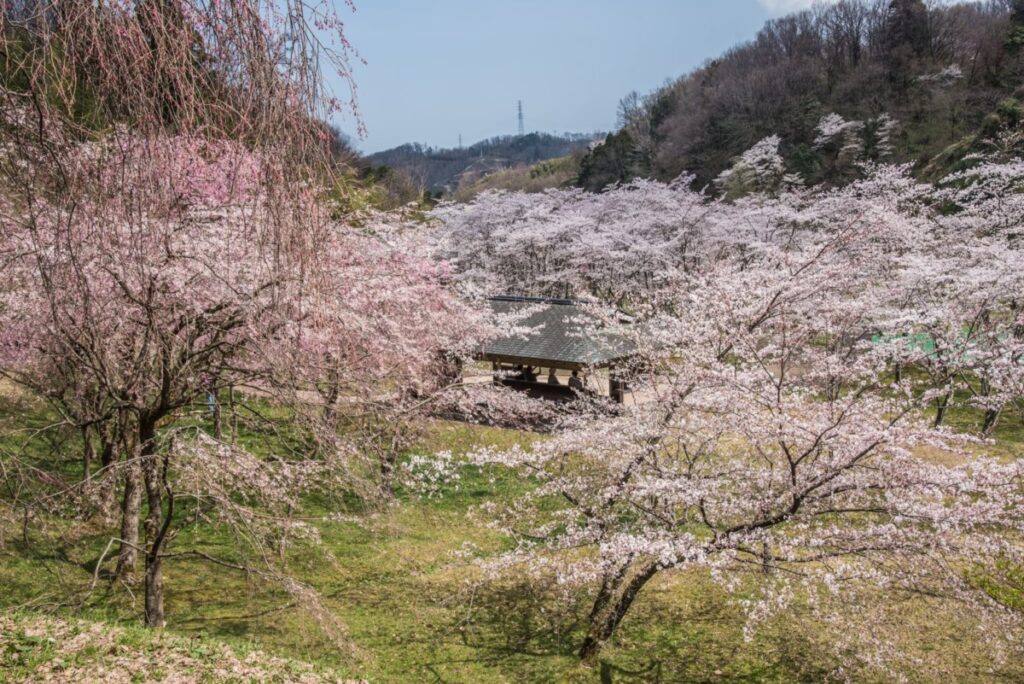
[785, 6]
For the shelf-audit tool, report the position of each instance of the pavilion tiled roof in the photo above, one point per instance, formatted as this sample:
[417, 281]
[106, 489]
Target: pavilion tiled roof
[561, 333]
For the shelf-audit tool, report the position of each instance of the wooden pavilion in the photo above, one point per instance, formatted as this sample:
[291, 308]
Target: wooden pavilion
[562, 334]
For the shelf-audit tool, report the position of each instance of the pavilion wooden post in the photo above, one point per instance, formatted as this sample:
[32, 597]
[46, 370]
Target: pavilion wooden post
[451, 369]
[616, 387]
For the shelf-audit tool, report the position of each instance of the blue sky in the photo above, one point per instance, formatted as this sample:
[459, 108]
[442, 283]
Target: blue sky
[440, 68]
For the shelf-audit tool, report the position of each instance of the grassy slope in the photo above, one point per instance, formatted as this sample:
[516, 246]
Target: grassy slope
[414, 611]
[553, 173]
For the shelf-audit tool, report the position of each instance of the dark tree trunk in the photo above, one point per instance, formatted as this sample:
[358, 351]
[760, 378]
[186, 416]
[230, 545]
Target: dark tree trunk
[387, 474]
[941, 404]
[108, 479]
[331, 393]
[155, 592]
[389, 463]
[232, 414]
[88, 453]
[991, 415]
[216, 416]
[991, 418]
[157, 522]
[609, 587]
[605, 619]
[131, 504]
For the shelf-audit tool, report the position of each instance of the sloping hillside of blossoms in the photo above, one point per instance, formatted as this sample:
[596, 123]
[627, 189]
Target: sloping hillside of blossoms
[799, 349]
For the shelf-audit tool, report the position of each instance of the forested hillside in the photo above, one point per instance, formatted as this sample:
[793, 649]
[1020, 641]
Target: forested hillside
[448, 169]
[840, 84]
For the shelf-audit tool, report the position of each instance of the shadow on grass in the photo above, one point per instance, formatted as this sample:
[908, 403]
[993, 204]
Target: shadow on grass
[687, 631]
[523, 618]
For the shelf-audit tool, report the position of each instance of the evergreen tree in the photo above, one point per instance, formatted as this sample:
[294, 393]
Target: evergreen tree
[1017, 13]
[612, 162]
[907, 38]
[1013, 70]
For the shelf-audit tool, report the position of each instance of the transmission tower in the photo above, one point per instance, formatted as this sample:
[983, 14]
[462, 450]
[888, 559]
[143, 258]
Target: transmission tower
[522, 127]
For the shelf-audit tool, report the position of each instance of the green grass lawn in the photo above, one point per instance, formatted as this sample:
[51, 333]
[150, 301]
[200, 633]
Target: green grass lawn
[414, 609]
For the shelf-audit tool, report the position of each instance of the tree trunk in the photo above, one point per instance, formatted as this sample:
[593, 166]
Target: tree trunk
[331, 393]
[88, 453]
[941, 404]
[108, 480]
[604, 620]
[387, 475]
[991, 418]
[232, 414]
[215, 409]
[155, 592]
[609, 587]
[131, 504]
[991, 415]
[157, 522]
[389, 463]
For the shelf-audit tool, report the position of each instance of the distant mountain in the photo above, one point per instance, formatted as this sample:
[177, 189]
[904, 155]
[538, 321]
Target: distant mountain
[906, 81]
[449, 169]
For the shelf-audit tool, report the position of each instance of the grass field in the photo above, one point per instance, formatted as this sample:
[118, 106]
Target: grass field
[414, 609]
